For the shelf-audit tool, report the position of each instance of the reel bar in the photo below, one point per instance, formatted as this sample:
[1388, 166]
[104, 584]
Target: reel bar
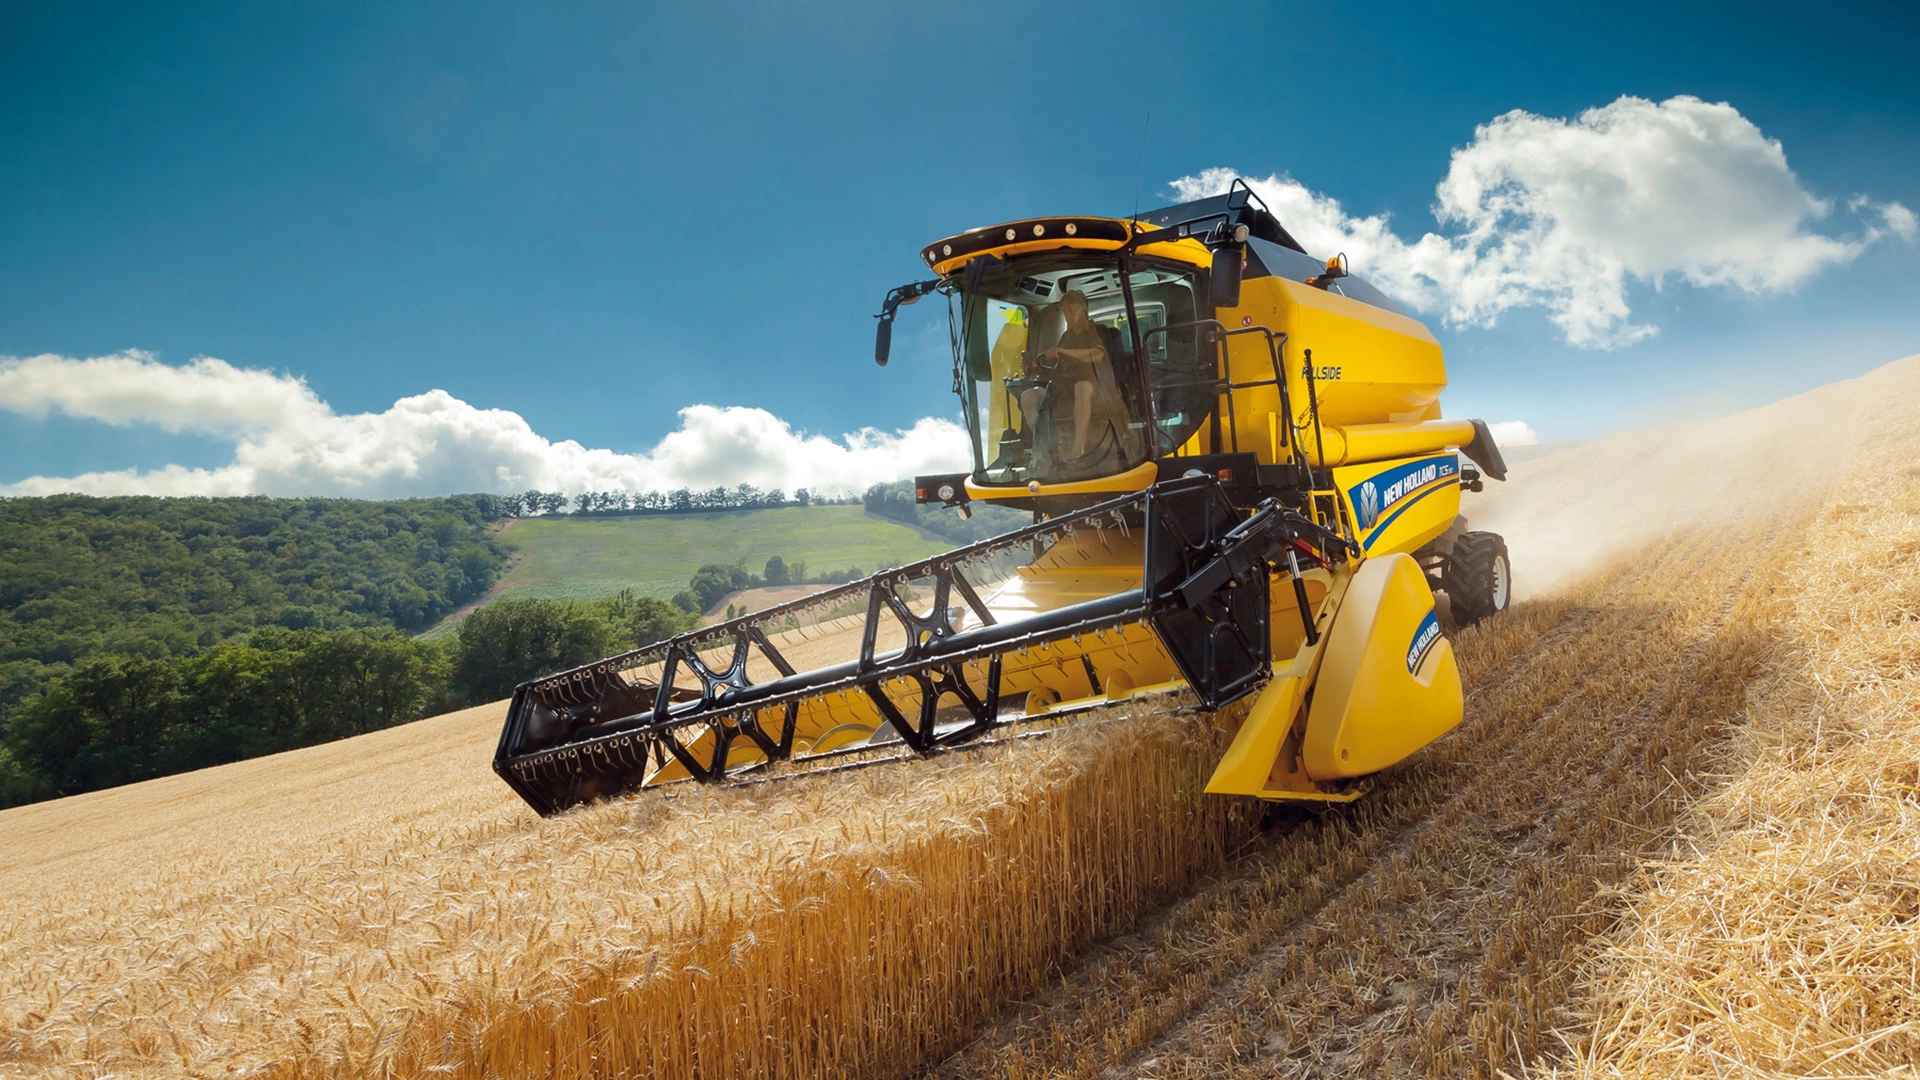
[728, 631]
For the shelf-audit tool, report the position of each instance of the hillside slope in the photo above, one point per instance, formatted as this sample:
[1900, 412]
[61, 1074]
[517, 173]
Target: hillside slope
[384, 906]
[655, 554]
[140, 576]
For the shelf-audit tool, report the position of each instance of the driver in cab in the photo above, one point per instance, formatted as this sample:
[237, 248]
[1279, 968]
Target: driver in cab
[1071, 362]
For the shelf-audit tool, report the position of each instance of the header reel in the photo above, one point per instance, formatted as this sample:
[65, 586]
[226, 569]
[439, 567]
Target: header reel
[931, 671]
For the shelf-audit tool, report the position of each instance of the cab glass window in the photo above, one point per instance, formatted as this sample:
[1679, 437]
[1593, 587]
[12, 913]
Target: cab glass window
[1053, 387]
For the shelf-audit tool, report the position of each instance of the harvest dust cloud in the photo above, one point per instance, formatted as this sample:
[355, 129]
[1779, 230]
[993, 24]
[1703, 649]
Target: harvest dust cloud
[1569, 510]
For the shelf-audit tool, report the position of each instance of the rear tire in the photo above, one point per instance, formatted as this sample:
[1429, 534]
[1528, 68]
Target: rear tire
[1478, 579]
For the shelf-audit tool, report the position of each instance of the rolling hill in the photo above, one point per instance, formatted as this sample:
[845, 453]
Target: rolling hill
[587, 558]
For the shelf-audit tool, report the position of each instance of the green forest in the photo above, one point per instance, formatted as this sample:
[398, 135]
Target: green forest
[115, 611]
[144, 636]
[157, 578]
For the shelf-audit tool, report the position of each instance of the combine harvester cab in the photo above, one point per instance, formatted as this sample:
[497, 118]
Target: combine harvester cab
[1241, 483]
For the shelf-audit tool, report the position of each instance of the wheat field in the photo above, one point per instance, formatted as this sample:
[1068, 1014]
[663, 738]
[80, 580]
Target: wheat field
[1674, 836]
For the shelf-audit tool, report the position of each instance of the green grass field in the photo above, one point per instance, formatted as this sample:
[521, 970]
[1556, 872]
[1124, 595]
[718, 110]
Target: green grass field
[655, 555]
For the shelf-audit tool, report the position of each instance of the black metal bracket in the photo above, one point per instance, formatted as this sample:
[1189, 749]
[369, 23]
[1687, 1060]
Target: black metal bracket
[1220, 231]
[927, 489]
[901, 295]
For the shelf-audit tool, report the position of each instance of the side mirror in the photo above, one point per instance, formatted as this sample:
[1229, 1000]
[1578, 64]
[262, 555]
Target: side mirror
[1225, 288]
[896, 299]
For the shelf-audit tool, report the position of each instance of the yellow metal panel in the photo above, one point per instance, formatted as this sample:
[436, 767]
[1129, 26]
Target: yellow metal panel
[1388, 684]
[1004, 361]
[1371, 365]
[1011, 248]
[1189, 251]
[1400, 504]
[1379, 442]
[1138, 478]
[1244, 768]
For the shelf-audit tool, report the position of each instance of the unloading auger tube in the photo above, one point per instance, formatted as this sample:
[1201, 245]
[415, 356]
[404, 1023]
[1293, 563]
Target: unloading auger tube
[960, 673]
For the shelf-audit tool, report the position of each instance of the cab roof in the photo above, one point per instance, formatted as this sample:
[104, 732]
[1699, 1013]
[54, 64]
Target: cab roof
[1051, 233]
[1262, 225]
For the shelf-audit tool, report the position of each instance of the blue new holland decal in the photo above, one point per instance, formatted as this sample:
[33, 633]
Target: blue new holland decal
[1424, 639]
[1380, 497]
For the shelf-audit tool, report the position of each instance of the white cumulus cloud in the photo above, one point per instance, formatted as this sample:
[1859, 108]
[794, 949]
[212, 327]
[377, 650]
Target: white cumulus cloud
[287, 441]
[1512, 433]
[1566, 214]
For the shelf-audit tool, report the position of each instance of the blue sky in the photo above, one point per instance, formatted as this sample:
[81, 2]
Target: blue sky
[595, 215]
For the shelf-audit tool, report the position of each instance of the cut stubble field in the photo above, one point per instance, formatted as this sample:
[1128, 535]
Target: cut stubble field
[1674, 836]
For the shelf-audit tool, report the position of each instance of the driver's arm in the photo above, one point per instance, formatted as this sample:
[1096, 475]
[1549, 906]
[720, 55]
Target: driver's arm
[1092, 355]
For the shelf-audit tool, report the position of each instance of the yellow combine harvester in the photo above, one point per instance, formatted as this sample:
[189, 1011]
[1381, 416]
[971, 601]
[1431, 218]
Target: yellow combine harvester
[1240, 481]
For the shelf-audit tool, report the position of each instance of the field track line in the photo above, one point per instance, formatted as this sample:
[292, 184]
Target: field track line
[1573, 633]
[1345, 1036]
[1172, 977]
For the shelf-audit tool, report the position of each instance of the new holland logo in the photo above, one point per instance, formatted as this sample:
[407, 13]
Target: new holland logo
[1378, 497]
[1424, 638]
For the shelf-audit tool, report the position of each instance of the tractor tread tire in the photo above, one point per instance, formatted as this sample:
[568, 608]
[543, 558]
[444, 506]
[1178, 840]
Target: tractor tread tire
[1470, 576]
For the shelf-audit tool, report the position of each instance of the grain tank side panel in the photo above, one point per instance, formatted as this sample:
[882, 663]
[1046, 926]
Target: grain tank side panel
[1371, 365]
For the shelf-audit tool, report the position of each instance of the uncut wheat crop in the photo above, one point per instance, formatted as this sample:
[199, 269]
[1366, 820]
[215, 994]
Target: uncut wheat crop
[386, 907]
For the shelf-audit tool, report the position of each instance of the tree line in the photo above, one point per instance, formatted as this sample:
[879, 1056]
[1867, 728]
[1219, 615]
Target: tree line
[119, 718]
[156, 578]
[141, 637]
[681, 501]
[713, 581]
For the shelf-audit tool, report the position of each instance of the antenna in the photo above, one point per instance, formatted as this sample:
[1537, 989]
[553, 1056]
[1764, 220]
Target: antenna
[1142, 182]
